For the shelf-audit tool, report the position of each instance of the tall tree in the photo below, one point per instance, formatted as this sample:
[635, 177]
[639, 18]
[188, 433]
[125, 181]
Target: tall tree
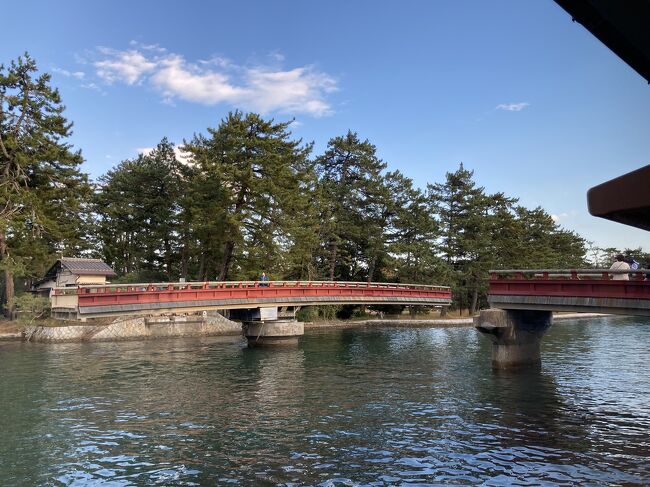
[350, 183]
[139, 208]
[259, 179]
[413, 236]
[469, 221]
[42, 190]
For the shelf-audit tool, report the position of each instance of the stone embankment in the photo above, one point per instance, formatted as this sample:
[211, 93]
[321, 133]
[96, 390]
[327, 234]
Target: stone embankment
[135, 328]
[212, 325]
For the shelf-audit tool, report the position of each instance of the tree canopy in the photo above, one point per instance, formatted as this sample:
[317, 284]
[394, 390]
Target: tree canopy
[249, 197]
[44, 195]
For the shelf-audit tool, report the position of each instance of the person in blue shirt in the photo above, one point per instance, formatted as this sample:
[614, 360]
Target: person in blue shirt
[264, 280]
[634, 265]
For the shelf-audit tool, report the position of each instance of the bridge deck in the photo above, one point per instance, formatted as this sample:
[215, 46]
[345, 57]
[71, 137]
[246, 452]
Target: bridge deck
[588, 290]
[121, 299]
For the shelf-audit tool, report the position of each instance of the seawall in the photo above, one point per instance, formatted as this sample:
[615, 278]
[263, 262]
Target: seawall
[135, 328]
[214, 325]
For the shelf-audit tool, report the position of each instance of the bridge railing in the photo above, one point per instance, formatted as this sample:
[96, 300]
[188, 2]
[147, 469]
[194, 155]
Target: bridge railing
[594, 290]
[573, 274]
[178, 286]
[121, 297]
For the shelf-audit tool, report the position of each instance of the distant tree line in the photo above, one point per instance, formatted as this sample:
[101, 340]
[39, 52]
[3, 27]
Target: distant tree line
[250, 198]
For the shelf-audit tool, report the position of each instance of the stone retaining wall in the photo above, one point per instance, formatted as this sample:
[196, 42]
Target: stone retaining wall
[135, 328]
[185, 326]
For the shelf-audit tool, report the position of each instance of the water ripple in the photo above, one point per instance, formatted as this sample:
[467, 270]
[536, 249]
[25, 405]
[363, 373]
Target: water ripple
[348, 407]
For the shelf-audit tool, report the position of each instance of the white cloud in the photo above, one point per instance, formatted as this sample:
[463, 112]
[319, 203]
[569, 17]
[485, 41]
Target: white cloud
[147, 47]
[561, 216]
[181, 156]
[69, 74]
[512, 107]
[297, 90]
[128, 66]
[218, 80]
[176, 78]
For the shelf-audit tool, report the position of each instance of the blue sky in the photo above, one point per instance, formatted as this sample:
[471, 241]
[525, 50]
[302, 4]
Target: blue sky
[529, 100]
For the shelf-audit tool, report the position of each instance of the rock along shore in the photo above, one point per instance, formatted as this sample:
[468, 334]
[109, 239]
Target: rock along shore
[135, 328]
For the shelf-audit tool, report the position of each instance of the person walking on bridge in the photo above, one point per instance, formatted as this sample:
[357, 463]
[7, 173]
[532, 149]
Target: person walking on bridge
[620, 265]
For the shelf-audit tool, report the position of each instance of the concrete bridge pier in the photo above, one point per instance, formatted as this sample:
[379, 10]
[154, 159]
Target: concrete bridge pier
[269, 327]
[273, 333]
[516, 335]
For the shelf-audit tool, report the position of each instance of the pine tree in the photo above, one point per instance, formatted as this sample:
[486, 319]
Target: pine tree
[351, 215]
[139, 207]
[256, 179]
[43, 193]
[413, 236]
[469, 221]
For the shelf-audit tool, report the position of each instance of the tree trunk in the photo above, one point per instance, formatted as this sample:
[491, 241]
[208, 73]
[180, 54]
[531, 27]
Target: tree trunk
[168, 259]
[185, 255]
[371, 268]
[184, 263]
[474, 302]
[202, 267]
[10, 309]
[227, 259]
[335, 249]
[8, 297]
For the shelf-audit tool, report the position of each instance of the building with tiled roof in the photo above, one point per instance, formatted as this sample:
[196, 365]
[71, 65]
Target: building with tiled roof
[72, 271]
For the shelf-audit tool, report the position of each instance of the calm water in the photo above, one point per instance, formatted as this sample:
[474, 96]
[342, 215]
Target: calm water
[382, 406]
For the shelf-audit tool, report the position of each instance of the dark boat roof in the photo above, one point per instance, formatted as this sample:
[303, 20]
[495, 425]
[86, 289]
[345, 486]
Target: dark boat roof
[622, 25]
[624, 199]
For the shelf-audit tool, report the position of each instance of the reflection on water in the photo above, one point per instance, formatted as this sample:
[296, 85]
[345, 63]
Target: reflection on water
[347, 407]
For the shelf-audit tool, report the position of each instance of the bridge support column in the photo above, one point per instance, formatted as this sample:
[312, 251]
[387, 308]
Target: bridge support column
[273, 333]
[516, 335]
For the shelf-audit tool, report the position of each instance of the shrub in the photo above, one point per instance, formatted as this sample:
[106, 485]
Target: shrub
[31, 307]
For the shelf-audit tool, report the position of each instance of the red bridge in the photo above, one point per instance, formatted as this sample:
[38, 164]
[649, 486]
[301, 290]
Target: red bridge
[587, 290]
[85, 302]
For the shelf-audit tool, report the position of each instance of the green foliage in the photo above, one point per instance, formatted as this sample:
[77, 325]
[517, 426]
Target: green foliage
[251, 190]
[43, 194]
[31, 307]
[139, 210]
[252, 199]
[352, 214]
[308, 313]
[602, 258]
[479, 232]
[144, 276]
[318, 313]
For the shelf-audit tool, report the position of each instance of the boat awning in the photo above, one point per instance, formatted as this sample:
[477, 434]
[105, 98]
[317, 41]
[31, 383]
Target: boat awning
[625, 199]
